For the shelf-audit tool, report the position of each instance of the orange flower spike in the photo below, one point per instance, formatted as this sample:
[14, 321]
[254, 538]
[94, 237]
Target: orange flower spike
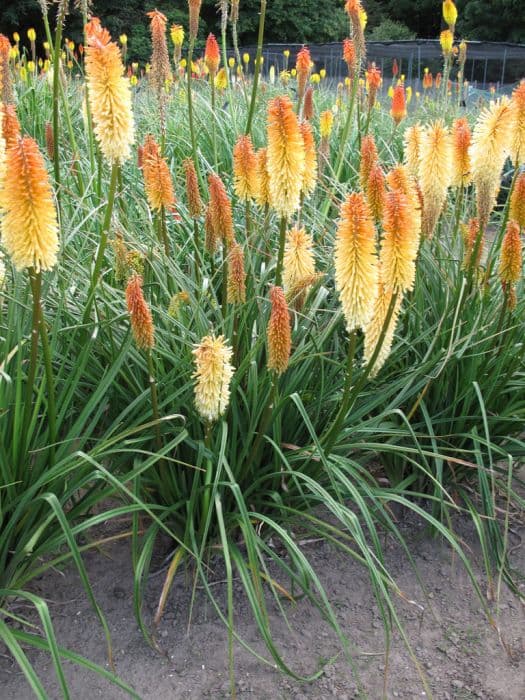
[109, 94]
[373, 79]
[140, 314]
[376, 191]
[29, 220]
[398, 110]
[303, 65]
[308, 107]
[518, 137]
[245, 168]
[356, 271]
[279, 333]
[517, 201]
[354, 10]
[285, 156]
[350, 57]
[262, 195]
[194, 7]
[461, 138]
[511, 256]
[310, 159]
[157, 177]
[400, 243]
[369, 158]
[160, 59]
[192, 189]
[220, 210]
[212, 56]
[236, 284]
[10, 125]
[6, 87]
[471, 243]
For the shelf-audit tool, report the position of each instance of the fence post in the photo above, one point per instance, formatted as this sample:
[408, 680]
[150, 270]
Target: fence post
[504, 66]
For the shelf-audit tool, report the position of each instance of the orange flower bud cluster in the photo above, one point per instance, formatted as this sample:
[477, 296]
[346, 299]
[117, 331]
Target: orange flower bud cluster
[279, 333]
[192, 189]
[212, 56]
[461, 138]
[220, 208]
[140, 314]
[245, 168]
[157, 177]
[303, 65]
[517, 201]
[236, 283]
[398, 110]
[160, 59]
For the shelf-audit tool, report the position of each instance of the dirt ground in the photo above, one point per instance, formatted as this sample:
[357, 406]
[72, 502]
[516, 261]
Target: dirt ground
[463, 657]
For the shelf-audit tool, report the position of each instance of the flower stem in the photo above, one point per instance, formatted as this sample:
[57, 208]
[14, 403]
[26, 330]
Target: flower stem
[103, 240]
[257, 69]
[280, 258]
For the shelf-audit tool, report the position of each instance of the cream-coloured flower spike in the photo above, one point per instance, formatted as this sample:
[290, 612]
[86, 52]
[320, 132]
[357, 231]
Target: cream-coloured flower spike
[213, 373]
[109, 94]
[29, 219]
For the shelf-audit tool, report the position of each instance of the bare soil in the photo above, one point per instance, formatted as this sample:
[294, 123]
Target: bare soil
[462, 655]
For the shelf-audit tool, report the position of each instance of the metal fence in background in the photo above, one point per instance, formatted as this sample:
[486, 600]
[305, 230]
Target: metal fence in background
[487, 62]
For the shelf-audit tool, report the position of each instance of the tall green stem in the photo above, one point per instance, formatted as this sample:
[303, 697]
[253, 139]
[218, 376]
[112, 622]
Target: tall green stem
[190, 106]
[350, 394]
[103, 239]
[257, 67]
[46, 351]
[56, 89]
[214, 123]
[280, 257]
[36, 285]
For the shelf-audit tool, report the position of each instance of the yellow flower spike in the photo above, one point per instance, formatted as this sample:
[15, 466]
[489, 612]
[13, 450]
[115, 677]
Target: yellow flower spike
[391, 91]
[374, 328]
[109, 94]
[221, 80]
[435, 173]
[71, 46]
[299, 262]
[31, 34]
[213, 374]
[123, 38]
[518, 136]
[231, 62]
[286, 53]
[491, 141]
[409, 94]
[315, 78]
[183, 63]
[147, 68]
[45, 45]
[133, 81]
[23, 74]
[450, 14]
[322, 73]
[177, 34]
[16, 37]
[363, 18]
[326, 121]
[446, 39]
[31, 66]
[29, 222]
[246, 58]
[40, 63]
[356, 269]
